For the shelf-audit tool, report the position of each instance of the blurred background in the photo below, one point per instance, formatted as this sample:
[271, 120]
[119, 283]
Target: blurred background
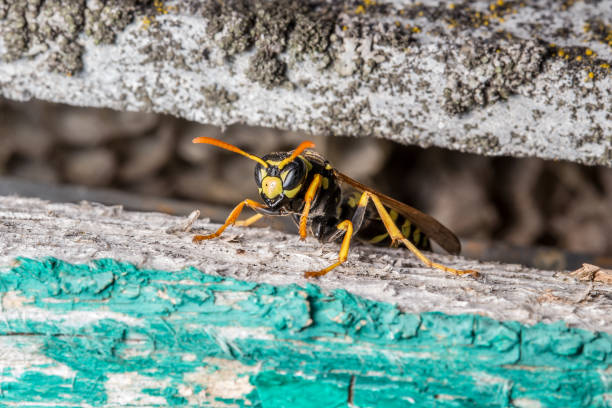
[551, 215]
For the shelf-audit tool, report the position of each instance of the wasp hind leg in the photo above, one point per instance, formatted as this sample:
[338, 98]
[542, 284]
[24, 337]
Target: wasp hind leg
[347, 226]
[231, 219]
[397, 236]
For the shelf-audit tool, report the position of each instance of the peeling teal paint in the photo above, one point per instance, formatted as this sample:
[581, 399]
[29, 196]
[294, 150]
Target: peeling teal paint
[44, 388]
[306, 348]
[286, 390]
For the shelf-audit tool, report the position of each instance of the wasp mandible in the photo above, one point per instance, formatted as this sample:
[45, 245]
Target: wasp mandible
[303, 185]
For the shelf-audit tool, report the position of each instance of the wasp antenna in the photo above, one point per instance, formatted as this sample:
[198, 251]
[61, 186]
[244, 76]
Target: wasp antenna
[303, 146]
[227, 146]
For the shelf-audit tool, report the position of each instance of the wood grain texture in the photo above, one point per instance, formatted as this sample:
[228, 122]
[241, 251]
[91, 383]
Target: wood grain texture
[80, 233]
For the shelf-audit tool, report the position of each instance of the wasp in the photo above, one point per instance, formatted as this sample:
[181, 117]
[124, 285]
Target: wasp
[334, 207]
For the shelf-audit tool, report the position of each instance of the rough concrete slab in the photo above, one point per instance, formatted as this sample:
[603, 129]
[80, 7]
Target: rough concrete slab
[497, 78]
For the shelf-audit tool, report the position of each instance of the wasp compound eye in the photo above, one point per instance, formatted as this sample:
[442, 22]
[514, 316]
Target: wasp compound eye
[260, 173]
[292, 175]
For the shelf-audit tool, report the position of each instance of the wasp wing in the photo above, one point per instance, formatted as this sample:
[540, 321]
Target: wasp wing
[426, 223]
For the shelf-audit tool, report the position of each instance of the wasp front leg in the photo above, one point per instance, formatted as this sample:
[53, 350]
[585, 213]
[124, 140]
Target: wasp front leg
[231, 219]
[347, 226]
[308, 198]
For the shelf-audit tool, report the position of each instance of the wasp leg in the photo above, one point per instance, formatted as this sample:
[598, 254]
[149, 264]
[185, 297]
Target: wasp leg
[231, 219]
[396, 236]
[308, 197]
[347, 226]
[248, 221]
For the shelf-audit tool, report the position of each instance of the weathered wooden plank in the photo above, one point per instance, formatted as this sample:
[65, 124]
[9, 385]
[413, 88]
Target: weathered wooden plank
[80, 233]
[233, 321]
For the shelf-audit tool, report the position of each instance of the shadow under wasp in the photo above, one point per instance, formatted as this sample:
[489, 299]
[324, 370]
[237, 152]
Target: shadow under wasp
[303, 185]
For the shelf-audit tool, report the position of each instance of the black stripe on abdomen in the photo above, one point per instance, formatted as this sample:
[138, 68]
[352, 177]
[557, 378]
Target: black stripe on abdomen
[374, 232]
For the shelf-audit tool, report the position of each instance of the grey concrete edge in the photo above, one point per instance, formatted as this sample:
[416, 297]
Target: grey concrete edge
[482, 77]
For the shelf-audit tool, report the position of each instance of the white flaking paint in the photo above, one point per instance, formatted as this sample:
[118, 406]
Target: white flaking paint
[228, 379]
[12, 300]
[123, 389]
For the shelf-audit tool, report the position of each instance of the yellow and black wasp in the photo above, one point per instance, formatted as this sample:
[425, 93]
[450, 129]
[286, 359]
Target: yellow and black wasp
[303, 185]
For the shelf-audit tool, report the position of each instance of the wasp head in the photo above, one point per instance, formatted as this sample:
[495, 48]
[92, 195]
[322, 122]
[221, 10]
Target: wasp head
[278, 175]
[275, 182]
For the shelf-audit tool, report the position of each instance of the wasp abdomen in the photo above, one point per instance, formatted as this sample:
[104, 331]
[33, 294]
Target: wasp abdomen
[373, 230]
